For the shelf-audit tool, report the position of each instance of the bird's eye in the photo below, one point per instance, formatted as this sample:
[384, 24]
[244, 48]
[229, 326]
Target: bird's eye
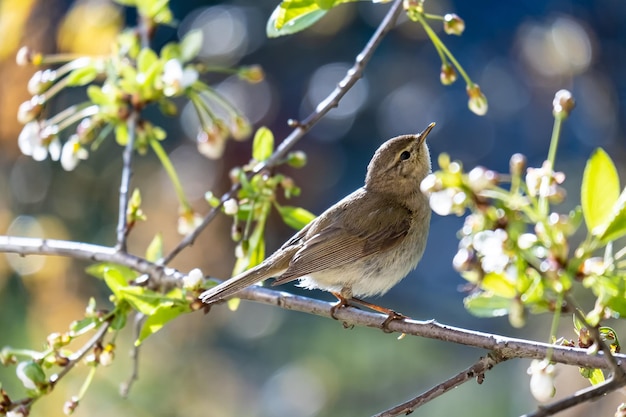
[405, 155]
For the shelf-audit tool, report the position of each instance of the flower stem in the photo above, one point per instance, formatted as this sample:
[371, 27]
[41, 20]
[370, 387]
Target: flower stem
[171, 172]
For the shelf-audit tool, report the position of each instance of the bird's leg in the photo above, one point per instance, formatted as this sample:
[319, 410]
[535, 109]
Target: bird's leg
[391, 314]
[342, 302]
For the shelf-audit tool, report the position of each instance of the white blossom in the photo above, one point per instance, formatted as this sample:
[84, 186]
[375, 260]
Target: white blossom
[72, 153]
[31, 142]
[176, 78]
[188, 222]
[193, 279]
[542, 374]
[489, 244]
[231, 207]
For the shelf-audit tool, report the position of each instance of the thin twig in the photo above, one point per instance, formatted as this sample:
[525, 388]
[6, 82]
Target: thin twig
[331, 101]
[127, 158]
[76, 357]
[477, 371]
[32, 246]
[134, 356]
[579, 397]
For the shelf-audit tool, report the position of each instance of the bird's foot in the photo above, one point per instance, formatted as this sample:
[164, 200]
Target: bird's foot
[391, 316]
[342, 302]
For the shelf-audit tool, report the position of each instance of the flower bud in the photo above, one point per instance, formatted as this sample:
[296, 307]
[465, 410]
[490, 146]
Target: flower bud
[447, 74]
[517, 164]
[297, 159]
[542, 374]
[480, 178]
[70, 406]
[193, 279]
[477, 100]
[453, 24]
[29, 110]
[231, 207]
[240, 128]
[41, 81]
[253, 74]
[31, 375]
[563, 103]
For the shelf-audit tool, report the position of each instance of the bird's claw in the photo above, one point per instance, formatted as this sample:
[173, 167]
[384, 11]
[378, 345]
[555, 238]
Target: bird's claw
[393, 315]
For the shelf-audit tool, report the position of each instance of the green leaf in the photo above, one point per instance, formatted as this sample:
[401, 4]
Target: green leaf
[155, 248]
[170, 51]
[595, 376]
[274, 29]
[126, 2]
[499, 285]
[292, 16]
[157, 320]
[485, 304]
[146, 59]
[82, 326]
[191, 45]
[82, 76]
[98, 270]
[263, 144]
[615, 226]
[121, 133]
[295, 217]
[600, 189]
[143, 300]
[115, 281]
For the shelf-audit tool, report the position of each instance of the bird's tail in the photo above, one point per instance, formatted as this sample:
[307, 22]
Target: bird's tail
[238, 283]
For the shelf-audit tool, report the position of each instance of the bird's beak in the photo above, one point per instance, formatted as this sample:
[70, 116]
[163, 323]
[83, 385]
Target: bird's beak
[425, 132]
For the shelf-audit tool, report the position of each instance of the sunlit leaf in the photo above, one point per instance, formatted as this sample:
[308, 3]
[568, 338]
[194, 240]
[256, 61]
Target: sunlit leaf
[600, 189]
[157, 320]
[97, 270]
[115, 281]
[485, 304]
[190, 45]
[263, 144]
[595, 376]
[146, 58]
[295, 25]
[155, 248]
[295, 217]
[499, 285]
[82, 76]
[615, 227]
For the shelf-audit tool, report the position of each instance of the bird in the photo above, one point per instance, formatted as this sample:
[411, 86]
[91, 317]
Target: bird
[362, 245]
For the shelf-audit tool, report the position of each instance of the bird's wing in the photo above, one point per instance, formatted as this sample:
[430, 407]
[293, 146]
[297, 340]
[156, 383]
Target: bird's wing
[336, 245]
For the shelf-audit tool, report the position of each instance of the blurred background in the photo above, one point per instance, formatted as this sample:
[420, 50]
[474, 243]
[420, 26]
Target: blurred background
[262, 361]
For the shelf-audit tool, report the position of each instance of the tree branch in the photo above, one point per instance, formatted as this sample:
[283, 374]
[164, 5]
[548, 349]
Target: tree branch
[352, 76]
[506, 347]
[127, 158]
[477, 371]
[31, 246]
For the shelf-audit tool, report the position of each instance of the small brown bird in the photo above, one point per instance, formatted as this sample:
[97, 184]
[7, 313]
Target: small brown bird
[364, 244]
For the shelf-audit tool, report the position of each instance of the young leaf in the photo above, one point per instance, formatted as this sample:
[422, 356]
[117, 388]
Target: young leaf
[263, 144]
[82, 76]
[155, 248]
[154, 323]
[142, 299]
[190, 45]
[98, 270]
[615, 226]
[277, 26]
[600, 189]
[487, 305]
[295, 217]
[146, 59]
[115, 281]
